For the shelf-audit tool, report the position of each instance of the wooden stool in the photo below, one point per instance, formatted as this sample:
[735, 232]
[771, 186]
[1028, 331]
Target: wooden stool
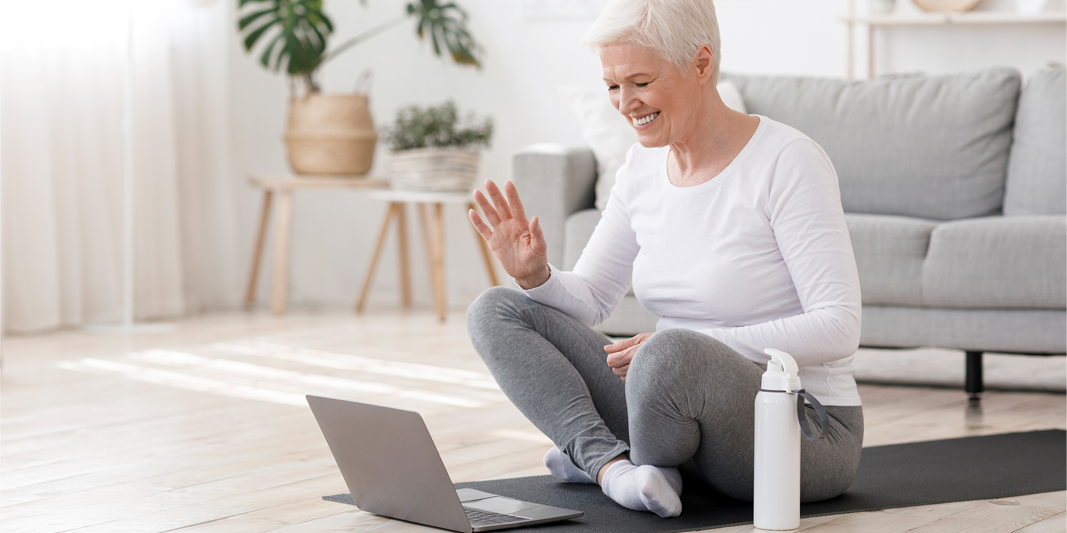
[434, 242]
[285, 185]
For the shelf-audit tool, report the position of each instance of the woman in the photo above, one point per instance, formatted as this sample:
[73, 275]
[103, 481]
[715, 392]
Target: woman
[730, 228]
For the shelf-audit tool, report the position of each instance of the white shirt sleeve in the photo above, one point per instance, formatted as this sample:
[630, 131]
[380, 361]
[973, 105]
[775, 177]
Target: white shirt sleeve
[602, 275]
[809, 226]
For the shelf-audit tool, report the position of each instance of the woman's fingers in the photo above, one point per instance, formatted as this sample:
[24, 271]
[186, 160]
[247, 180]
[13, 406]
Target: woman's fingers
[621, 359]
[499, 201]
[485, 231]
[487, 208]
[622, 345]
[537, 233]
[517, 210]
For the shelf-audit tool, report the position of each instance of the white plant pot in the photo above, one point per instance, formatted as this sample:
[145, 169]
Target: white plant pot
[433, 169]
[1030, 7]
[881, 7]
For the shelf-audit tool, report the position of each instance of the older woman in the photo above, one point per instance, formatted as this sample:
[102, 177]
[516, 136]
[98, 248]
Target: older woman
[729, 227]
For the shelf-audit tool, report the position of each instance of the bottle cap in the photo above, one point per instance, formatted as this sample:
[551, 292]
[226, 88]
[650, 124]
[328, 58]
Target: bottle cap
[782, 372]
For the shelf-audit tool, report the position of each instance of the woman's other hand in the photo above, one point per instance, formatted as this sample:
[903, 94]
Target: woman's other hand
[621, 353]
[518, 244]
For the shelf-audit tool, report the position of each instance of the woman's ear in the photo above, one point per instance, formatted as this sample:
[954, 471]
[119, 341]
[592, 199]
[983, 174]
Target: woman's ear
[703, 64]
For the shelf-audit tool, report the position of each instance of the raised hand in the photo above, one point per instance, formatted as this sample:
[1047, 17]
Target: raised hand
[621, 353]
[518, 244]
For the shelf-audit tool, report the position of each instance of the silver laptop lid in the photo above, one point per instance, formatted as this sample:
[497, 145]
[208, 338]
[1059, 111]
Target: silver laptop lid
[389, 462]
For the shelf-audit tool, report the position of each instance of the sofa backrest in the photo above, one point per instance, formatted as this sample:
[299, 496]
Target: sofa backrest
[1037, 168]
[933, 147]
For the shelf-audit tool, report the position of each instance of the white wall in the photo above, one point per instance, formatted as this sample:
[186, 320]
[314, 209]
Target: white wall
[525, 61]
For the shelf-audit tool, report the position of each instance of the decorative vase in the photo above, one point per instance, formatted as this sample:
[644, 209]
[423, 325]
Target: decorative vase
[331, 134]
[433, 169]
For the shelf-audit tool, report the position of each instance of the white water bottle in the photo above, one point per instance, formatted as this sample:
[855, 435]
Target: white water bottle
[779, 420]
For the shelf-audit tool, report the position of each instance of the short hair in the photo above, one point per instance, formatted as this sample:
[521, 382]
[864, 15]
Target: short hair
[674, 29]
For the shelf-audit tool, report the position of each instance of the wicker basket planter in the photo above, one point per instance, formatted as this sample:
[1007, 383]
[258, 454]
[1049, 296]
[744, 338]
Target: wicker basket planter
[331, 134]
[433, 169]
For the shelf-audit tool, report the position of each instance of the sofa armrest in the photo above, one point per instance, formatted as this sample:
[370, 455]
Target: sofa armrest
[554, 181]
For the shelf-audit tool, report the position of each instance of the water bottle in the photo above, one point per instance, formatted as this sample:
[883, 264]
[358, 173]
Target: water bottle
[780, 420]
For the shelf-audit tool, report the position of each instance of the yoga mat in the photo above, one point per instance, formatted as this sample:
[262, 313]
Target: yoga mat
[899, 475]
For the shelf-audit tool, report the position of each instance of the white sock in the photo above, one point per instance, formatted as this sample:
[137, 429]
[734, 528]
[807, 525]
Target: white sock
[644, 488]
[563, 468]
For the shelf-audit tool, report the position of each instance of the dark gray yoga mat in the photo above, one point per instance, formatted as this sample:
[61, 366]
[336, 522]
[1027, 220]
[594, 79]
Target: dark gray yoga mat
[899, 475]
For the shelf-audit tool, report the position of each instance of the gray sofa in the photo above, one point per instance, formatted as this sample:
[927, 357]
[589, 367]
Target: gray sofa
[955, 193]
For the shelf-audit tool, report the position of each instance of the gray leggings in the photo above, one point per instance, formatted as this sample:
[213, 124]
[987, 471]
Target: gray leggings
[688, 399]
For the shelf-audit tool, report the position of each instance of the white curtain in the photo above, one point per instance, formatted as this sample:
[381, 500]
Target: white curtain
[61, 105]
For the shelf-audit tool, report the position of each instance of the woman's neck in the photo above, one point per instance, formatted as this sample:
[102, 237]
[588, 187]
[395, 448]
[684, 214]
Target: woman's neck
[720, 133]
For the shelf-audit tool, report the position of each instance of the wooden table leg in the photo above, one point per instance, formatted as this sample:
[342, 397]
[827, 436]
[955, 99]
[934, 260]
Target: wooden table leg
[439, 259]
[282, 237]
[250, 295]
[486, 254]
[405, 270]
[427, 244]
[431, 254]
[393, 208]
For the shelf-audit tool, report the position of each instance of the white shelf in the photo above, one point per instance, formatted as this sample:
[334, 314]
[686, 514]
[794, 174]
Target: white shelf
[969, 17]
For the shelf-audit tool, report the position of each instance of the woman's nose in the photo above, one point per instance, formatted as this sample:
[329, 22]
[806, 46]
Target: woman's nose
[627, 101]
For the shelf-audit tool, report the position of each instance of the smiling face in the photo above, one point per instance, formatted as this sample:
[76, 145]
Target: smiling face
[655, 97]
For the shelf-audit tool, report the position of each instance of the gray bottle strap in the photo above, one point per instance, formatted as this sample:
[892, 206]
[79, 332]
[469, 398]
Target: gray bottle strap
[824, 419]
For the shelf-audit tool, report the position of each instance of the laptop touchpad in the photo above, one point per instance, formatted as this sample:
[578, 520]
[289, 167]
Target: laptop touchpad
[500, 504]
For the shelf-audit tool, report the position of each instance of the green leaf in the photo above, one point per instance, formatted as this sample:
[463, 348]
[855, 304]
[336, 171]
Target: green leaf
[251, 38]
[317, 17]
[303, 31]
[445, 25]
[320, 44]
[265, 58]
[249, 19]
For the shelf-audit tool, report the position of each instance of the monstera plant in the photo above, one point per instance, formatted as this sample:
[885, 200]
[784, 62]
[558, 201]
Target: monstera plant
[334, 134]
[296, 33]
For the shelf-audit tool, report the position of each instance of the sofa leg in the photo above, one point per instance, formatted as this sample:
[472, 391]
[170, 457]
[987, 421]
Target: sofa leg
[973, 383]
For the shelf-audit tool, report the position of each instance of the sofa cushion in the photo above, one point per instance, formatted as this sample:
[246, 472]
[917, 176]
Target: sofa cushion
[576, 232]
[997, 262]
[984, 330]
[889, 255]
[628, 319]
[932, 147]
[1037, 169]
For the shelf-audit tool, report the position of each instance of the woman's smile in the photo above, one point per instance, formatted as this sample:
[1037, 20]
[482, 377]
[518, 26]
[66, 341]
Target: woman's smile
[642, 122]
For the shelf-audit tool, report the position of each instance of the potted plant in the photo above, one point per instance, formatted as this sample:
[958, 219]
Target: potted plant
[334, 134]
[432, 150]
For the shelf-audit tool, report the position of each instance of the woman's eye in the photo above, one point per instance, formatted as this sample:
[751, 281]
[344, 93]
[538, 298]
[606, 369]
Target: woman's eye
[612, 87]
[642, 85]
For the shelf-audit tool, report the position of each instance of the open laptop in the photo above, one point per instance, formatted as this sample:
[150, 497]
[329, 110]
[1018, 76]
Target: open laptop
[392, 468]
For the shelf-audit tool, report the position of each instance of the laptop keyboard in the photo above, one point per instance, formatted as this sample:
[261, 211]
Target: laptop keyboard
[478, 517]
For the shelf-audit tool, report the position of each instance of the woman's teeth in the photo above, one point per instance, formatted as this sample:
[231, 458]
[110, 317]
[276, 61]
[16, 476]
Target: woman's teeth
[646, 119]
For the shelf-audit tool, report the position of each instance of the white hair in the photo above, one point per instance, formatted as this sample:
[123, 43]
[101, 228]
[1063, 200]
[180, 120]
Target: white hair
[673, 29]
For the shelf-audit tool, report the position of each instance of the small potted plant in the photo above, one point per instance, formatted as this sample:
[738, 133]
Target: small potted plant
[334, 133]
[433, 150]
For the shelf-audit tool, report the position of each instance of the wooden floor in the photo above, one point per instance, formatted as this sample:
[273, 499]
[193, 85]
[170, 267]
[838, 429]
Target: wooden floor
[206, 429]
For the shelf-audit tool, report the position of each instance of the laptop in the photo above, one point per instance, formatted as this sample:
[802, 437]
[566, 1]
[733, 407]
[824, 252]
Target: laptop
[393, 469]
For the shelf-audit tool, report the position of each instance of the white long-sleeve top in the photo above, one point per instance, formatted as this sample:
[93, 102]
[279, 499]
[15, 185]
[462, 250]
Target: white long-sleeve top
[757, 257]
